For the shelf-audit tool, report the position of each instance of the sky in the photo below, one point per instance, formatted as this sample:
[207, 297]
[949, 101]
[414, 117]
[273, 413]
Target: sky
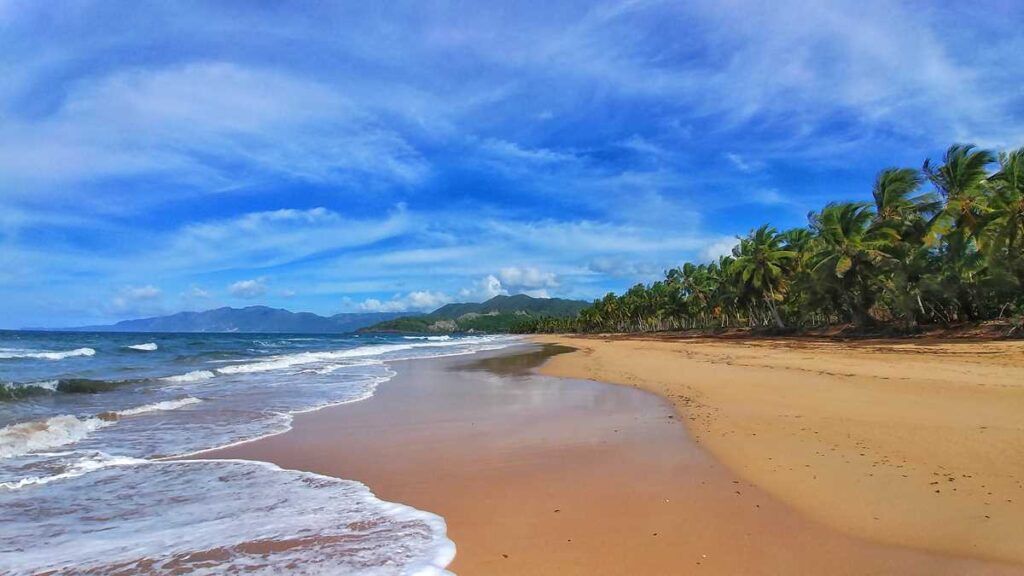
[387, 156]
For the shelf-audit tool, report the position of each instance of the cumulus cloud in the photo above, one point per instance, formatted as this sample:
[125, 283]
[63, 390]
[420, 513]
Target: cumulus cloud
[484, 289]
[416, 301]
[253, 288]
[529, 278]
[720, 247]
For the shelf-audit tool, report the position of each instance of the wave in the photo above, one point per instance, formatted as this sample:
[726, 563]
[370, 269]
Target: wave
[10, 353]
[148, 347]
[18, 439]
[289, 360]
[18, 390]
[193, 376]
[86, 464]
[174, 517]
[158, 406]
[430, 338]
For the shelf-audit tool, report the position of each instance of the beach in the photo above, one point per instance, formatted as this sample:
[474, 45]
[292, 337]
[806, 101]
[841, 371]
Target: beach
[915, 443]
[558, 473]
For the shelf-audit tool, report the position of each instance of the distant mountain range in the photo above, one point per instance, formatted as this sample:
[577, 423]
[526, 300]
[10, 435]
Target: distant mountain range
[499, 314]
[248, 319]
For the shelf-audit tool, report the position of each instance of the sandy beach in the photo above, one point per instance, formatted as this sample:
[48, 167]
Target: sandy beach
[537, 474]
[907, 442]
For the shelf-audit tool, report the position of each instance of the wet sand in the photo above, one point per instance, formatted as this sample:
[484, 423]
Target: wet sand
[914, 442]
[538, 475]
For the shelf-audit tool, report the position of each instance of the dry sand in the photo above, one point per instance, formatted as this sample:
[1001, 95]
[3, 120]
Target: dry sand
[907, 442]
[549, 476]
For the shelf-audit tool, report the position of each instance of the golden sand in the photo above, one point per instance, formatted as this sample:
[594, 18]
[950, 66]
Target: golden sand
[548, 476]
[907, 442]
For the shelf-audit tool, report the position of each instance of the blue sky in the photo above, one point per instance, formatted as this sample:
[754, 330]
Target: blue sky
[157, 157]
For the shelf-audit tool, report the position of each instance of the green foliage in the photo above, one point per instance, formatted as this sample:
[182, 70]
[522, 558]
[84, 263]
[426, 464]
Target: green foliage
[908, 257]
[499, 314]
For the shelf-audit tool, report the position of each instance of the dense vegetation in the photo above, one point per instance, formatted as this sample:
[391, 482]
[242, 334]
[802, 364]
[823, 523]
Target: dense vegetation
[499, 314]
[947, 254]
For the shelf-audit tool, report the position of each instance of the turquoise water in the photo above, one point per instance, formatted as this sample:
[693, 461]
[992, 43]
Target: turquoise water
[87, 415]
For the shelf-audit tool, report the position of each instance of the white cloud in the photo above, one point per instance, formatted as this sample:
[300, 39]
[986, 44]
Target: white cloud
[720, 247]
[744, 165]
[193, 119]
[147, 292]
[527, 277]
[416, 301]
[768, 196]
[253, 288]
[273, 238]
[484, 289]
[134, 300]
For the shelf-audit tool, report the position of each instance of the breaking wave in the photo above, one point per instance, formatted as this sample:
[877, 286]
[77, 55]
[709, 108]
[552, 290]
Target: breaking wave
[11, 353]
[18, 439]
[148, 347]
[194, 376]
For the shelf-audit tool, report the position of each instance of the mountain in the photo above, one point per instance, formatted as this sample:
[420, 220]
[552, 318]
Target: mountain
[499, 314]
[557, 307]
[248, 319]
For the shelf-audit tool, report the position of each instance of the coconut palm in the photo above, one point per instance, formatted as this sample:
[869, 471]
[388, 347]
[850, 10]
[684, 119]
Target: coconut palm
[851, 251]
[907, 256]
[761, 265]
[961, 179]
[1004, 224]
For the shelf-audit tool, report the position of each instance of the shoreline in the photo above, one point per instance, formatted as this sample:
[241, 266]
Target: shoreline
[904, 442]
[544, 475]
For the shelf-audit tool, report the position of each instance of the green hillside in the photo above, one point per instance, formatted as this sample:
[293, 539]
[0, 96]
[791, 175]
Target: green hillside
[499, 314]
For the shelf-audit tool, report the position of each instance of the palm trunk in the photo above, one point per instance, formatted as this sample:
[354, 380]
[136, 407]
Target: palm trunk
[775, 311]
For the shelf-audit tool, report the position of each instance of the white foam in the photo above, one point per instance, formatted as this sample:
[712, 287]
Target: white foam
[193, 376]
[50, 385]
[84, 465]
[18, 439]
[6, 353]
[158, 406]
[289, 360]
[444, 338]
[203, 517]
[148, 347]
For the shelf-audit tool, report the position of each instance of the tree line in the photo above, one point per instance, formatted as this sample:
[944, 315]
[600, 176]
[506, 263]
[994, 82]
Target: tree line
[939, 245]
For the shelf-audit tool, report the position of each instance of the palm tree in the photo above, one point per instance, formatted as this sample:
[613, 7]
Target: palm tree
[906, 256]
[761, 264]
[1005, 221]
[1003, 226]
[894, 202]
[850, 253]
[960, 180]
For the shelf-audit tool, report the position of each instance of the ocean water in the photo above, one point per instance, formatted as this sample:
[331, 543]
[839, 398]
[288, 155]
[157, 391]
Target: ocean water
[90, 425]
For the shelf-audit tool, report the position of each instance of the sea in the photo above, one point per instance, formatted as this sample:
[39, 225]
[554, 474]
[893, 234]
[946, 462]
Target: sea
[93, 426]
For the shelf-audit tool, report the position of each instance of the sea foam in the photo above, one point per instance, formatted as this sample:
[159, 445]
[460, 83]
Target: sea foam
[158, 406]
[194, 376]
[175, 517]
[18, 439]
[148, 347]
[8, 353]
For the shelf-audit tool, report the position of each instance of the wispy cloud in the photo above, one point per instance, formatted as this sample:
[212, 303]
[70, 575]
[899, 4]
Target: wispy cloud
[437, 151]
